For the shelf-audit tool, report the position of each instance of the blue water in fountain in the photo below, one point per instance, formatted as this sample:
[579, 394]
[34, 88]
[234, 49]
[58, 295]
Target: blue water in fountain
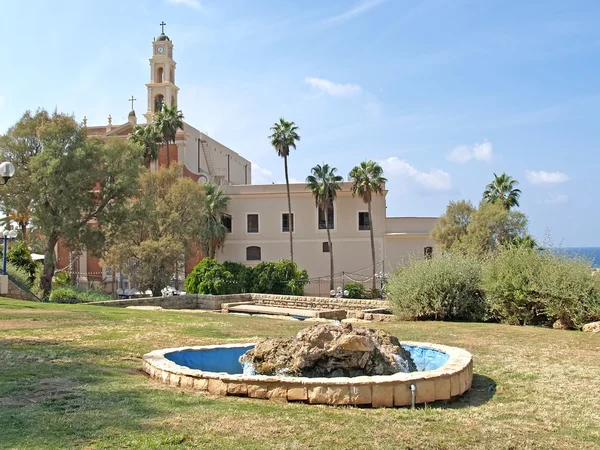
[225, 360]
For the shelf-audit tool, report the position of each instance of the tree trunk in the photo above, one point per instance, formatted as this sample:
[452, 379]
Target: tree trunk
[372, 244]
[289, 199]
[330, 250]
[23, 226]
[49, 266]
[168, 159]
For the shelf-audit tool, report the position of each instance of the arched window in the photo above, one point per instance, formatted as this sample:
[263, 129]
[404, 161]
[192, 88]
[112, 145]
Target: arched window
[253, 253]
[160, 75]
[159, 101]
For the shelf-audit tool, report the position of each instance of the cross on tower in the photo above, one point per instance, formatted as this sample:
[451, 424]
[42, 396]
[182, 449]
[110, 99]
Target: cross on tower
[162, 27]
[132, 100]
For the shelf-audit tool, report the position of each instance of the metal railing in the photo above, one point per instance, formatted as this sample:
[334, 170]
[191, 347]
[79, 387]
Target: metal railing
[23, 287]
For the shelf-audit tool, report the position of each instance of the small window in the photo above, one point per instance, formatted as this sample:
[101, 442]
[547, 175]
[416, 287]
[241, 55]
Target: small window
[285, 223]
[226, 221]
[364, 222]
[253, 253]
[252, 223]
[322, 223]
[428, 252]
[326, 247]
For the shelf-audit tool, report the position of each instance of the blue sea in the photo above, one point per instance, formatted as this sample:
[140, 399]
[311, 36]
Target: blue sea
[591, 253]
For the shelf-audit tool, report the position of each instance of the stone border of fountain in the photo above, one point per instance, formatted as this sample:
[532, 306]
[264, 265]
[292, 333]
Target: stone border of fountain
[451, 380]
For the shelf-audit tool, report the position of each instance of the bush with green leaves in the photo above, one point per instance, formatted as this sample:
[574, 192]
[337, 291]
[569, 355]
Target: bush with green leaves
[241, 276]
[210, 277]
[355, 290]
[281, 277]
[446, 287]
[20, 274]
[531, 287]
[62, 279]
[20, 256]
[72, 294]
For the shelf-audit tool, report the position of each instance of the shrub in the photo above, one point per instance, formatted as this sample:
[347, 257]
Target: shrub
[77, 295]
[61, 279]
[210, 277]
[355, 290]
[281, 277]
[20, 274]
[447, 287]
[526, 286]
[20, 256]
[241, 276]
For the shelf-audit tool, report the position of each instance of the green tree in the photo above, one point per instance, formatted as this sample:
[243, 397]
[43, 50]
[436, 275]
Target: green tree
[324, 184]
[167, 122]
[212, 230]
[452, 226]
[76, 186]
[492, 227]
[285, 135]
[149, 139]
[19, 145]
[502, 190]
[163, 222]
[368, 180]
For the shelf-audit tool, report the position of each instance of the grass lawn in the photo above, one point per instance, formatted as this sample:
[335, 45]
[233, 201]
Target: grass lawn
[70, 378]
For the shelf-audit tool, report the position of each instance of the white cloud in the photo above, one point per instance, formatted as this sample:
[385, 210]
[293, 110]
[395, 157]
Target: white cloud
[543, 177]
[191, 3]
[557, 198]
[331, 88]
[434, 180]
[356, 11]
[479, 152]
[260, 175]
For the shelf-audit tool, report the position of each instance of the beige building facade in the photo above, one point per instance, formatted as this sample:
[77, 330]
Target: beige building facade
[259, 232]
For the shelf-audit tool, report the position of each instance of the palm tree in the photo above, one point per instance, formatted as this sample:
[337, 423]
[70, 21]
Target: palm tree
[367, 180]
[212, 230]
[502, 190]
[167, 122]
[149, 139]
[285, 135]
[21, 217]
[324, 184]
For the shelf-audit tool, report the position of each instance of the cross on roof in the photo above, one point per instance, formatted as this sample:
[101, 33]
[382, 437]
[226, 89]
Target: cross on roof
[132, 100]
[162, 27]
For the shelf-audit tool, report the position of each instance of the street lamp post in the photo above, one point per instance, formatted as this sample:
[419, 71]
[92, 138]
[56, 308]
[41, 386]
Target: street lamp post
[7, 234]
[7, 171]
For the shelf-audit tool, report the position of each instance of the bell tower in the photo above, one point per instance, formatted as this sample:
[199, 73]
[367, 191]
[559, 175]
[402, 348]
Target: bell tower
[162, 88]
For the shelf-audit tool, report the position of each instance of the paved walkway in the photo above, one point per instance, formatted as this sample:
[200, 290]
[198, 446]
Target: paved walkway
[273, 310]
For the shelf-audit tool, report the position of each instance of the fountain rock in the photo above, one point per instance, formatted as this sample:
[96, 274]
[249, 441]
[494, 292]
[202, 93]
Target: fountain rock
[328, 350]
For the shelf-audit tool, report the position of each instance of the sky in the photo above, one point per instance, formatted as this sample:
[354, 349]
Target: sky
[442, 93]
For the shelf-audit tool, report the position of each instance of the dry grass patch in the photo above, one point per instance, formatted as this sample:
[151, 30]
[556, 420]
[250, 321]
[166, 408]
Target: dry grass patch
[77, 383]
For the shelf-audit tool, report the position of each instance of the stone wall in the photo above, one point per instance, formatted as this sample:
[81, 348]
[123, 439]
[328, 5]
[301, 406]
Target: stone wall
[290, 301]
[214, 302]
[189, 301]
[12, 290]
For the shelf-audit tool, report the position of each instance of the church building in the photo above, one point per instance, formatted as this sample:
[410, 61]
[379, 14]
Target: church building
[258, 219]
